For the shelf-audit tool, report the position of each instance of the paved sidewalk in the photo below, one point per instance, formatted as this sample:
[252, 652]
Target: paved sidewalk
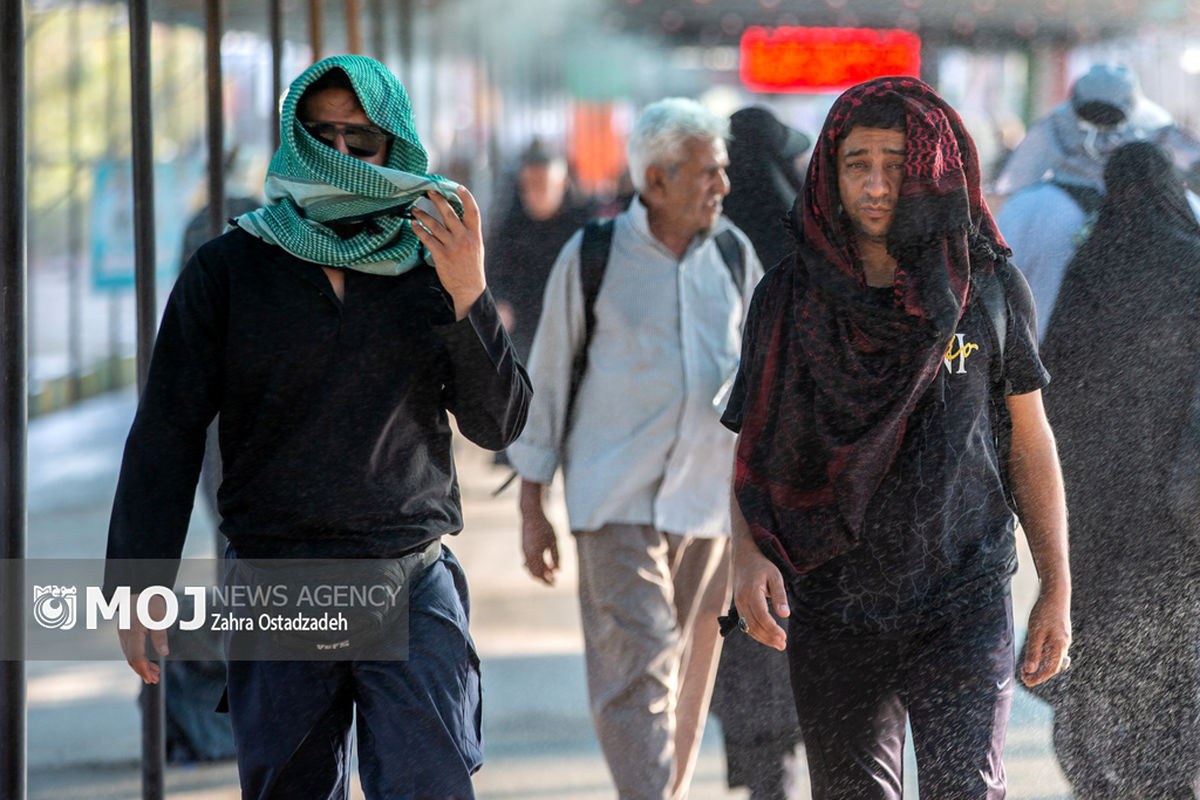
[83, 722]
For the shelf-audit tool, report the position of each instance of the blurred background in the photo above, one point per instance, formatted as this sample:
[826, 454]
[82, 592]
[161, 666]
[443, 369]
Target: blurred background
[487, 77]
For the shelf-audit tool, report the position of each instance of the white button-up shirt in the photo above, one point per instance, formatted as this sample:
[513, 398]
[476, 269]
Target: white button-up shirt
[646, 446]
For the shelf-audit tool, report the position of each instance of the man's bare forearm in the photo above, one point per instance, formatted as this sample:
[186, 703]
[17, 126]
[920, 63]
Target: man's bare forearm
[1041, 502]
[755, 579]
[1037, 485]
[532, 496]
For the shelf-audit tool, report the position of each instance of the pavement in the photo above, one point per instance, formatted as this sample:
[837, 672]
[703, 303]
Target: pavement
[83, 722]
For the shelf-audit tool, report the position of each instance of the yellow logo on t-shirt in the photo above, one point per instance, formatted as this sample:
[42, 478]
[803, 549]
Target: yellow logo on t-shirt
[959, 350]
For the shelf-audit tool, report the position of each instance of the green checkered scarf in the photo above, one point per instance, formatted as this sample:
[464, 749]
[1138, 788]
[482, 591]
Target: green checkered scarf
[309, 183]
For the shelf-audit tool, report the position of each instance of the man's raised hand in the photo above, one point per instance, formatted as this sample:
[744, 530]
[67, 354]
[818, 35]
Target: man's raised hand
[456, 246]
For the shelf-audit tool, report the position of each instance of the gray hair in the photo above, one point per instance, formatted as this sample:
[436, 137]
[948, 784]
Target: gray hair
[662, 130]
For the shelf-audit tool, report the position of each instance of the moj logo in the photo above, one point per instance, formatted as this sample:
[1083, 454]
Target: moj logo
[54, 607]
[167, 609]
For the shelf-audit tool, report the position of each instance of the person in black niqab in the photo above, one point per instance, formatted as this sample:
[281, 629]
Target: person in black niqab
[753, 695]
[764, 179]
[1123, 347]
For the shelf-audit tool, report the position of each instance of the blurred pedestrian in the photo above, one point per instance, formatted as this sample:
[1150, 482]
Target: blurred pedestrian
[643, 453]
[1124, 347]
[764, 179]
[883, 372]
[1055, 175]
[753, 696]
[334, 330]
[528, 236]
[197, 232]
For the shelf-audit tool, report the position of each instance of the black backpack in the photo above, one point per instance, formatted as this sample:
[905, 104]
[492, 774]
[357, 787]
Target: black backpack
[593, 261]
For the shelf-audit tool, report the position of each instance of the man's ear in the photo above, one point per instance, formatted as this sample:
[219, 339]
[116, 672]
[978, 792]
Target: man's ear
[656, 180]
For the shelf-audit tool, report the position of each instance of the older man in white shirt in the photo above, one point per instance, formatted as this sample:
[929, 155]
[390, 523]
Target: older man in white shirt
[645, 460]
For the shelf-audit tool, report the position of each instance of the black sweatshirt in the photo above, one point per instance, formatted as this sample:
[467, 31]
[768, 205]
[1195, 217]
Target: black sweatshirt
[333, 425]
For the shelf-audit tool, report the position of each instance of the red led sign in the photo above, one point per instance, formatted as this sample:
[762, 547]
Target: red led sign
[824, 59]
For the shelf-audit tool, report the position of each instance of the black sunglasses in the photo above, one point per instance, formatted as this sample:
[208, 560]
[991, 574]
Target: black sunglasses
[363, 141]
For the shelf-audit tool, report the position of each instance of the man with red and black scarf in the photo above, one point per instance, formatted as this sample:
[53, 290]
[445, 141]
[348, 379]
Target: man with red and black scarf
[890, 423]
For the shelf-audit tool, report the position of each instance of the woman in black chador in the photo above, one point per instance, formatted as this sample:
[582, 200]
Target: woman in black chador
[1123, 348]
[764, 179]
[753, 694]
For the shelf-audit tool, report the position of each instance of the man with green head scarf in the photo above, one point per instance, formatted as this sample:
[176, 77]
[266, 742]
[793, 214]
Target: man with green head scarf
[332, 330]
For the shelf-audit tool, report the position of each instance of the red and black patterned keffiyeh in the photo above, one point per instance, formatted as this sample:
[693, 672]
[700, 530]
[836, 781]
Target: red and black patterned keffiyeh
[835, 373]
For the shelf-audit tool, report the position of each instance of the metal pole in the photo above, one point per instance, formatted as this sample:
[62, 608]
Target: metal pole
[353, 30]
[216, 119]
[74, 214]
[142, 141]
[316, 28]
[110, 125]
[154, 740]
[378, 21]
[216, 151]
[31, 176]
[13, 400]
[440, 18]
[406, 44]
[276, 22]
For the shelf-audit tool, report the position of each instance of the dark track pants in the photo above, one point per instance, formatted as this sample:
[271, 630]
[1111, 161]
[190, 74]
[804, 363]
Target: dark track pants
[954, 680]
[418, 720]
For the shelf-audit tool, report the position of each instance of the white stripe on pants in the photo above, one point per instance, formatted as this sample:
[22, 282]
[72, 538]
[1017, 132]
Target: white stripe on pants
[649, 602]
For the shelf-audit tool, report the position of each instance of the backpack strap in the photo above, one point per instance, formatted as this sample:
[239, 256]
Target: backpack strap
[990, 292]
[989, 289]
[1089, 199]
[593, 261]
[731, 253]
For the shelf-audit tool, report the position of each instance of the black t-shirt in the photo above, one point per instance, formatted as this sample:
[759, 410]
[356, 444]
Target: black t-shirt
[938, 533]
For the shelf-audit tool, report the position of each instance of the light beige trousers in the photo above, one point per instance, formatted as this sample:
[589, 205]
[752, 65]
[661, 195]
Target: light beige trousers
[649, 602]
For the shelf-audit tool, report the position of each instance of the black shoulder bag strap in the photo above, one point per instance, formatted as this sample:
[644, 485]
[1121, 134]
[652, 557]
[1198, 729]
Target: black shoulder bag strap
[731, 253]
[1088, 199]
[989, 290]
[593, 260]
